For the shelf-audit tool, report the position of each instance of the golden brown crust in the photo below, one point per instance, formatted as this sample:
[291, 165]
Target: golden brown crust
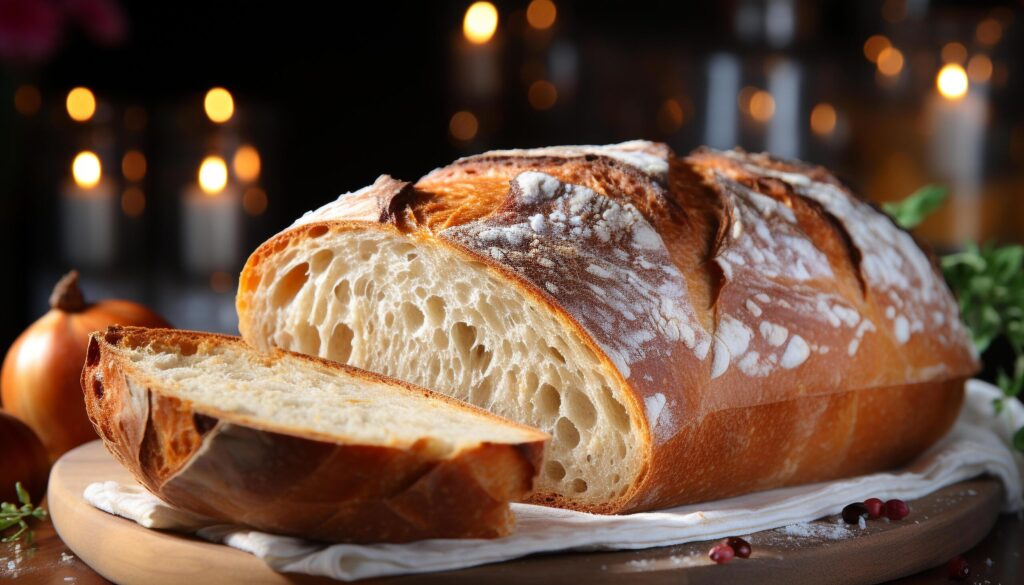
[225, 468]
[793, 305]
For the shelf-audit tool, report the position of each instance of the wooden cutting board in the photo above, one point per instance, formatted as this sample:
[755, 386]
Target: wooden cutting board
[941, 525]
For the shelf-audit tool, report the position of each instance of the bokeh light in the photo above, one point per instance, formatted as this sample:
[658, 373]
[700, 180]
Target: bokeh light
[219, 105]
[246, 163]
[480, 22]
[213, 175]
[86, 169]
[952, 81]
[541, 14]
[463, 126]
[823, 119]
[81, 104]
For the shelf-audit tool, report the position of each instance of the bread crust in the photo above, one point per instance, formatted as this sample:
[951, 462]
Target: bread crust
[793, 326]
[287, 481]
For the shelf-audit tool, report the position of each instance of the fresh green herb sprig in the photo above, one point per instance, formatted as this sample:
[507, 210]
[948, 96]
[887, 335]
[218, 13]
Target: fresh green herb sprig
[989, 283]
[12, 515]
[910, 212]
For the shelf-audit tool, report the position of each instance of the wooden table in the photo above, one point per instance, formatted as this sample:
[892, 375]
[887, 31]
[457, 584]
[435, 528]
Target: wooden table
[51, 562]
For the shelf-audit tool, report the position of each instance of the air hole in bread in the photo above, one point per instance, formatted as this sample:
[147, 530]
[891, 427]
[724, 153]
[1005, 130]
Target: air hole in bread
[578, 485]
[359, 288]
[421, 292]
[343, 292]
[92, 356]
[554, 470]
[581, 409]
[412, 316]
[97, 387]
[389, 319]
[289, 284]
[566, 433]
[553, 352]
[339, 348]
[436, 310]
[547, 401]
[463, 336]
[317, 231]
[320, 261]
[187, 348]
[480, 358]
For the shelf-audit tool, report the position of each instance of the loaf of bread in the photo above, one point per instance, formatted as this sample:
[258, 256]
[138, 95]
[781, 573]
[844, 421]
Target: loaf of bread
[295, 445]
[686, 328]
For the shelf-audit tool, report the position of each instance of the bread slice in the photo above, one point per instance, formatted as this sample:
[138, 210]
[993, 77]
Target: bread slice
[686, 327]
[297, 445]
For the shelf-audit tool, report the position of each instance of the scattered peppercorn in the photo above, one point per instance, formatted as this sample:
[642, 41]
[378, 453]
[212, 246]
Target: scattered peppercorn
[721, 553]
[739, 546]
[854, 512]
[896, 509]
[876, 508]
[958, 569]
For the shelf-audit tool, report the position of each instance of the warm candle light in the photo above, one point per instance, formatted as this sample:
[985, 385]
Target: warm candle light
[890, 61]
[541, 14]
[463, 126]
[762, 106]
[542, 95]
[979, 68]
[254, 202]
[246, 163]
[213, 175]
[480, 23]
[670, 116]
[954, 53]
[133, 165]
[823, 119]
[952, 82]
[81, 104]
[874, 46]
[133, 202]
[86, 169]
[219, 105]
[989, 31]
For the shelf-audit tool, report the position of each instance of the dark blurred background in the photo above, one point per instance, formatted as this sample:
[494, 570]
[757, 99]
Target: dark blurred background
[110, 110]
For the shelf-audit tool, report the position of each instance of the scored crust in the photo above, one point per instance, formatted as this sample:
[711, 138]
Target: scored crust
[289, 481]
[767, 289]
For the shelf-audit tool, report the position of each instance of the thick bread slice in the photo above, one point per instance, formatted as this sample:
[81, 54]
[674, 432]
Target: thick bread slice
[296, 445]
[686, 328]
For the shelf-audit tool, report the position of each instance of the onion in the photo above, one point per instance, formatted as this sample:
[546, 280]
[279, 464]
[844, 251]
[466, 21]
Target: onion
[22, 458]
[40, 383]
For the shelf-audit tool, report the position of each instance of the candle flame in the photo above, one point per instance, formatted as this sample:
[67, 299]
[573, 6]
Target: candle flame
[219, 105]
[86, 169]
[480, 22]
[213, 175]
[952, 82]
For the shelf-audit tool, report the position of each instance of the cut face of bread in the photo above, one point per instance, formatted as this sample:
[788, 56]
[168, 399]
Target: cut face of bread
[433, 317]
[291, 444]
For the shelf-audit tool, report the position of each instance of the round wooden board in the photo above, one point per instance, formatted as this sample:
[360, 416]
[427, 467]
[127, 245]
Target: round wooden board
[941, 525]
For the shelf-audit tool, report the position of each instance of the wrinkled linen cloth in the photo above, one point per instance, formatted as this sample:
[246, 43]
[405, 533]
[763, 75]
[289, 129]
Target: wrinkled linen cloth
[977, 444]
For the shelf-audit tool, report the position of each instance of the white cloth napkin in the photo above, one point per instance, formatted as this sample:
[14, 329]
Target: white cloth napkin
[977, 444]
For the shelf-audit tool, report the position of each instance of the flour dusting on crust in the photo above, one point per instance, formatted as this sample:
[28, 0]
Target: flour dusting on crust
[891, 262]
[647, 157]
[614, 273]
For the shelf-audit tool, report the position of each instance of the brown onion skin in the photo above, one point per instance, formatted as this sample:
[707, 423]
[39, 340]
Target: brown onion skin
[22, 458]
[41, 378]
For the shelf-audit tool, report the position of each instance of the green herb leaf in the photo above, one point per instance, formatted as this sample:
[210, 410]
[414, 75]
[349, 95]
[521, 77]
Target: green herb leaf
[913, 210]
[11, 515]
[22, 494]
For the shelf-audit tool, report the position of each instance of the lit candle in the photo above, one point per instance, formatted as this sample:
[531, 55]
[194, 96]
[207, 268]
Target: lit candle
[476, 55]
[211, 225]
[88, 213]
[957, 115]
